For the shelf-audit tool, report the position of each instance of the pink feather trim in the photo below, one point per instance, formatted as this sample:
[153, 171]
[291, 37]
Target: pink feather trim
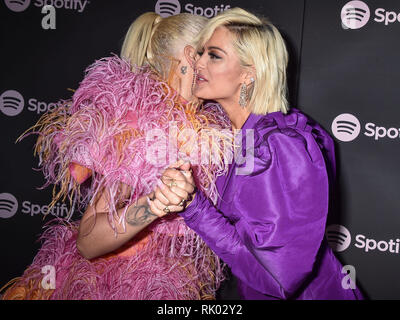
[165, 268]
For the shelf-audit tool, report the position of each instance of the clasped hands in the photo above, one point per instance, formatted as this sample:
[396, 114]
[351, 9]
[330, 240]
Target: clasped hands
[175, 188]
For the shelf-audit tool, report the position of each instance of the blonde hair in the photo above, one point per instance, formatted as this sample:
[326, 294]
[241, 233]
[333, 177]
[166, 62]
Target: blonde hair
[157, 41]
[259, 45]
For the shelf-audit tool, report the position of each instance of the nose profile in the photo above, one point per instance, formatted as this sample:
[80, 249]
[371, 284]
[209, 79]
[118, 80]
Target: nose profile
[199, 62]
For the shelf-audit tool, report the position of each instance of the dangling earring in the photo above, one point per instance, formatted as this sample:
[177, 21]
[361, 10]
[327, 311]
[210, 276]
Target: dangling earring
[194, 80]
[183, 69]
[243, 95]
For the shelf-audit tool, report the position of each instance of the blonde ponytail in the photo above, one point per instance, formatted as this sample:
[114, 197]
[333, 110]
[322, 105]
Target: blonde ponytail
[158, 41]
[138, 37]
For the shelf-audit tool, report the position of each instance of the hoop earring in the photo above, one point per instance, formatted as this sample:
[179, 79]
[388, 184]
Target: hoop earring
[243, 95]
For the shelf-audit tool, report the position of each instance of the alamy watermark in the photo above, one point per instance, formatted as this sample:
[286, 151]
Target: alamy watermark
[349, 280]
[49, 20]
[207, 147]
[49, 278]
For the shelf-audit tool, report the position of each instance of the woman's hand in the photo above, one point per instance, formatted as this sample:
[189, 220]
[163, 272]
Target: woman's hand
[173, 190]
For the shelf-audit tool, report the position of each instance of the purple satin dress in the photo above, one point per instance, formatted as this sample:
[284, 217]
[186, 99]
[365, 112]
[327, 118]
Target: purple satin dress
[269, 223]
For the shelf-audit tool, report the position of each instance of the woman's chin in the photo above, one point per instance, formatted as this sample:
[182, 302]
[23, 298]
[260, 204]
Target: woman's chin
[201, 96]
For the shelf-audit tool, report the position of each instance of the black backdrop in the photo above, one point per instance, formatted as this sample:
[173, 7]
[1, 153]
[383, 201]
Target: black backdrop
[343, 72]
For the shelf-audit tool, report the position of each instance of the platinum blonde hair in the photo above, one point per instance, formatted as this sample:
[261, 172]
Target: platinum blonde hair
[259, 46]
[158, 41]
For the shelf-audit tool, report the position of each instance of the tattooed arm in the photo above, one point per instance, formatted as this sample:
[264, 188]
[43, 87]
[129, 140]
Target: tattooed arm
[140, 215]
[96, 237]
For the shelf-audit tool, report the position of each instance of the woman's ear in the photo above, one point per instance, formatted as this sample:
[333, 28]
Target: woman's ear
[249, 75]
[190, 55]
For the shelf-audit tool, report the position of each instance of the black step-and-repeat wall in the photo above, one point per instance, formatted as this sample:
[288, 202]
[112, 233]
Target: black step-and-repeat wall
[343, 72]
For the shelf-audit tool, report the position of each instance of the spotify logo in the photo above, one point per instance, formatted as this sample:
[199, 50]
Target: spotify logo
[8, 205]
[17, 5]
[11, 103]
[166, 8]
[346, 127]
[338, 237]
[355, 14]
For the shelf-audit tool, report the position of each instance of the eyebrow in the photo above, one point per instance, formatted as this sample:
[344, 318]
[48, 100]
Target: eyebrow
[216, 48]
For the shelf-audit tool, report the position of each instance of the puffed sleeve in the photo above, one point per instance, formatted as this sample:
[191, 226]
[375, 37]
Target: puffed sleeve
[282, 208]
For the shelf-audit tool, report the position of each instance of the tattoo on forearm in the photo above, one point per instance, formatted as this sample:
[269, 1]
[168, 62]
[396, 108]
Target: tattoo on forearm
[139, 215]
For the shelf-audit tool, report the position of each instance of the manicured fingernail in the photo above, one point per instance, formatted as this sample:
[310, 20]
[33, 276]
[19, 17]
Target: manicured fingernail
[148, 200]
[186, 173]
[161, 184]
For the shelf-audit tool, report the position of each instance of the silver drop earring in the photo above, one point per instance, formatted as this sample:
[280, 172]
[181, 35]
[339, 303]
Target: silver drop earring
[183, 69]
[194, 80]
[243, 95]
